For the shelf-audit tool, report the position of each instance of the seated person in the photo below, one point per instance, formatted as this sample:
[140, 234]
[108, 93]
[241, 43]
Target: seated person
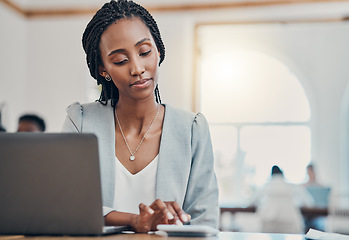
[278, 205]
[312, 181]
[320, 194]
[31, 123]
[156, 160]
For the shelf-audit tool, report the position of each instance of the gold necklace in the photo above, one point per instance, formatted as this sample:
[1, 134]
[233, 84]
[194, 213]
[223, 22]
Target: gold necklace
[132, 157]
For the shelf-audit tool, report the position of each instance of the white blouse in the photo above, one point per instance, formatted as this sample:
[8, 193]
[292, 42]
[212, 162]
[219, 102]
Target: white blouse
[133, 189]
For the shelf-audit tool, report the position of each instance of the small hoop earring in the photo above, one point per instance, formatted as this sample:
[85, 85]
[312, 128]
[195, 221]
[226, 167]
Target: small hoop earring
[107, 78]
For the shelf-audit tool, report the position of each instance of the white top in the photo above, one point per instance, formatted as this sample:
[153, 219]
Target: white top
[133, 189]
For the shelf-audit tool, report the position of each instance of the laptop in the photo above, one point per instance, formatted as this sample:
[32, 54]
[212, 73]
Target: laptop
[50, 185]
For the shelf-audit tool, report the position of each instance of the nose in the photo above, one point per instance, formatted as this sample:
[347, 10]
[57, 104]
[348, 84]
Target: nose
[137, 67]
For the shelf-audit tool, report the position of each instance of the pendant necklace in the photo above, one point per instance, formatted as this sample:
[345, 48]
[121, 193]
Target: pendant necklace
[132, 157]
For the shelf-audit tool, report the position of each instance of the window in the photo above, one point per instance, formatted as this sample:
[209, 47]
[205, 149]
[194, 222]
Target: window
[258, 114]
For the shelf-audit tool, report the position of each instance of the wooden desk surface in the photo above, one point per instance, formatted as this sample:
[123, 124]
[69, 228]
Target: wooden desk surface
[220, 236]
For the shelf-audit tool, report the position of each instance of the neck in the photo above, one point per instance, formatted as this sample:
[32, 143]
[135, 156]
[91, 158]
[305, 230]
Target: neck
[312, 179]
[136, 114]
[136, 109]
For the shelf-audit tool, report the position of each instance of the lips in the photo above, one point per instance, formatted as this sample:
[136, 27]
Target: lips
[140, 82]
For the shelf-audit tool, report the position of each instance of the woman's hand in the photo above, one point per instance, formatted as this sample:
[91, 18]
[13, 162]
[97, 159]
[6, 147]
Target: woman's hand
[158, 212]
[179, 216]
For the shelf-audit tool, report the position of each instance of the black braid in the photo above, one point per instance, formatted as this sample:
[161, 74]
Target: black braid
[157, 94]
[104, 17]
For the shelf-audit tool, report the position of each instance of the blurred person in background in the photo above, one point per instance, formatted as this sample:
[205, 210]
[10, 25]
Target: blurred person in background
[312, 180]
[320, 194]
[278, 205]
[31, 123]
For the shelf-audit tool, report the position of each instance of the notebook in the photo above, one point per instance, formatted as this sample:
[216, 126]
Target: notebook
[50, 185]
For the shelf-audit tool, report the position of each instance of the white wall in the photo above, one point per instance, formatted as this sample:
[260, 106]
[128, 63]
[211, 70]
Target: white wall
[43, 67]
[57, 70]
[13, 65]
[175, 83]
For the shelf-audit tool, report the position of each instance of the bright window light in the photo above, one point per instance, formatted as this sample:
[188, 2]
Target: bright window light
[259, 116]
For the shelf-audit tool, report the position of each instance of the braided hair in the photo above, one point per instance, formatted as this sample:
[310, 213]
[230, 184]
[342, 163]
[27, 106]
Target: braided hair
[104, 17]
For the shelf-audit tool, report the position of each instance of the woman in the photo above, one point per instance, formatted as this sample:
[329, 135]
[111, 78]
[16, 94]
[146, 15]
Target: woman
[156, 161]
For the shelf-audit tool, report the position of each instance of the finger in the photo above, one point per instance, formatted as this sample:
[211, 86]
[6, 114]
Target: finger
[160, 206]
[176, 219]
[182, 215]
[145, 210]
[143, 223]
[189, 216]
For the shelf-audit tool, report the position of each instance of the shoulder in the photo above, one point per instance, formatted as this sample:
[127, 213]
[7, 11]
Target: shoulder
[92, 116]
[76, 108]
[181, 116]
[84, 115]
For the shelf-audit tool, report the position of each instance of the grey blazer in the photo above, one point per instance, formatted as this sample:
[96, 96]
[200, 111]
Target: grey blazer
[185, 171]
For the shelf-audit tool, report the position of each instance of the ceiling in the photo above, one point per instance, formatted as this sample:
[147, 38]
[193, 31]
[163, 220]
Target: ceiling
[46, 4]
[37, 8]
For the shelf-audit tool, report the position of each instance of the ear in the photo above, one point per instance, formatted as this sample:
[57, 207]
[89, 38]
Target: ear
[102, 71]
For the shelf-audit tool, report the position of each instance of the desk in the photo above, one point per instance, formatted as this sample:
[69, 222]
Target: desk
[314, 212]
[308, 213]
[221, 236]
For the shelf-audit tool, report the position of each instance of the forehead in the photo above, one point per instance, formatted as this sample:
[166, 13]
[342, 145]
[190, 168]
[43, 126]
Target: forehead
[123, 32]
[28, 125]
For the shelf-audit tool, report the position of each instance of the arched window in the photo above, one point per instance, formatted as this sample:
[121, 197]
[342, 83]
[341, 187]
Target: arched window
[259, 115]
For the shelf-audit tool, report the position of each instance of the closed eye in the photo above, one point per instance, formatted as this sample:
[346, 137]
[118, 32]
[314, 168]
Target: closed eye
[121, 62]
[145, 53]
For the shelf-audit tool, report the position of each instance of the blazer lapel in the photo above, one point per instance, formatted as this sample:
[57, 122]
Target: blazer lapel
[174, 165]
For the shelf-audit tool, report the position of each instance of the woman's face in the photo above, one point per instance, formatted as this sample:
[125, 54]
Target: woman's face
[130, 57]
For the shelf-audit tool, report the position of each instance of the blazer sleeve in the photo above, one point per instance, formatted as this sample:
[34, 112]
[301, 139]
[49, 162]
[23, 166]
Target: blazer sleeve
[73, 120]
[201, 199]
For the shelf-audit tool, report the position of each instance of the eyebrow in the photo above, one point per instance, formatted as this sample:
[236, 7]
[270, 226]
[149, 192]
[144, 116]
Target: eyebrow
[123, 50]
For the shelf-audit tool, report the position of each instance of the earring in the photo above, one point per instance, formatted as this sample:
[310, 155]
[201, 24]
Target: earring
[107, 78]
